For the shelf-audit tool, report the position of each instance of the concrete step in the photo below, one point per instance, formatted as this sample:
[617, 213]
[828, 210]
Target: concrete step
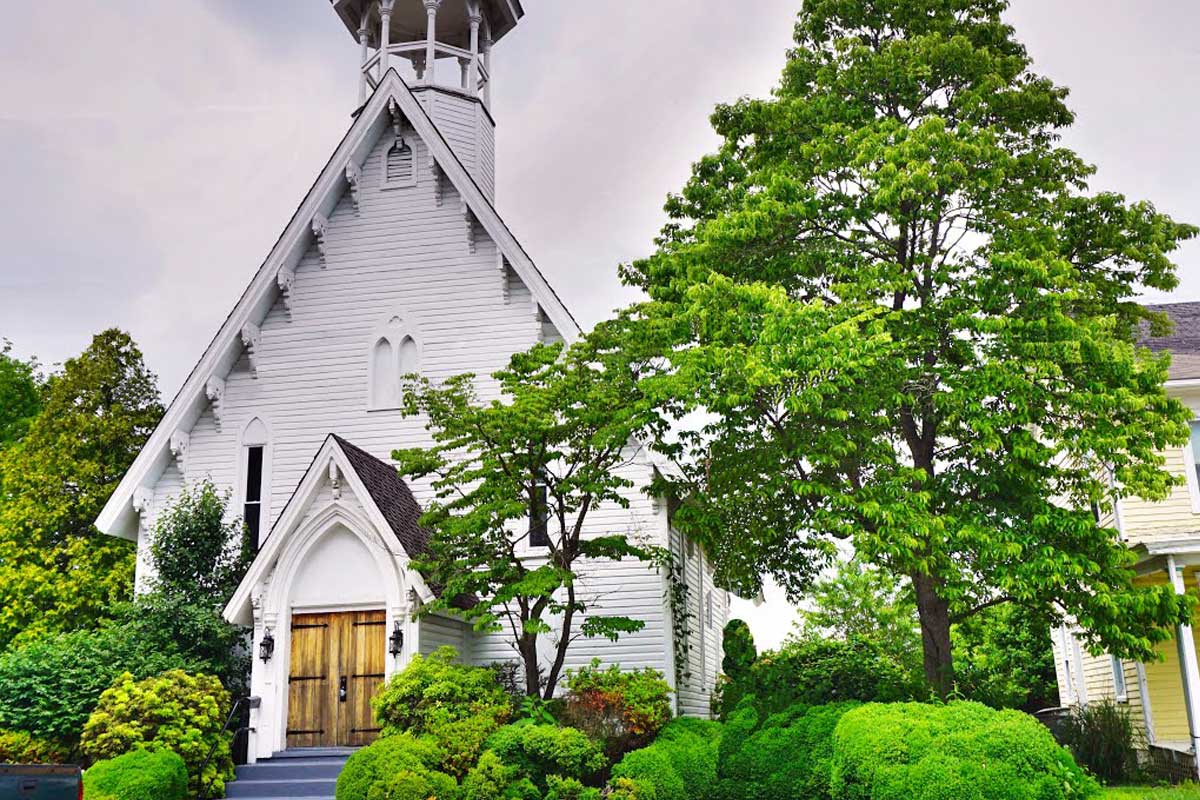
[298, 775]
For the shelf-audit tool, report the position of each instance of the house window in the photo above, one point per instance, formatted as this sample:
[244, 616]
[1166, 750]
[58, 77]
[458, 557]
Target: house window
[539, 518]
[252, 508]
[395, 353]
[1119, 687]
[255, 478]
[1191, 458]
[398, 166]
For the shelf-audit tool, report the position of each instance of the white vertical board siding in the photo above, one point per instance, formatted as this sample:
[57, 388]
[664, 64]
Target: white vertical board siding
[704, 641]
[400, 254]
[469, 132]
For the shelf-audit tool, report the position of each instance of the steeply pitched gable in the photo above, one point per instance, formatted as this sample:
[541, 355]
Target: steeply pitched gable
[274, 281]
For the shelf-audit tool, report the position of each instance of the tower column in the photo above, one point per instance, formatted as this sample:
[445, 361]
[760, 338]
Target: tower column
[385, 14]
[431, 9]
[487, 64]
[364, 45]
[475, 17]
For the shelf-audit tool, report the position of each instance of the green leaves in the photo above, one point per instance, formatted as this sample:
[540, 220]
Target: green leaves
[57, 572]
[554, 446]
[903, 322]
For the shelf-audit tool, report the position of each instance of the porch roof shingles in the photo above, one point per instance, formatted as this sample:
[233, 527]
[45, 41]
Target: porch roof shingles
[392, 495]
[1183, 343]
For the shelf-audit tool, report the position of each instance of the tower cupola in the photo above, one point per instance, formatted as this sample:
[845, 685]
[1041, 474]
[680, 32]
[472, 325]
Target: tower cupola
[434, 43]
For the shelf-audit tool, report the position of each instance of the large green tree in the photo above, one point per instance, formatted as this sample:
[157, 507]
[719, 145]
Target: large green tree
[57, 572]
[913, 327]
[517, 480]
[20, 396]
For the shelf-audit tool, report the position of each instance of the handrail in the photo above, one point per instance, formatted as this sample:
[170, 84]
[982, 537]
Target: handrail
[233, 712]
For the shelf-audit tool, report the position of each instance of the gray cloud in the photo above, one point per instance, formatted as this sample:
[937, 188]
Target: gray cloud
[152, 159]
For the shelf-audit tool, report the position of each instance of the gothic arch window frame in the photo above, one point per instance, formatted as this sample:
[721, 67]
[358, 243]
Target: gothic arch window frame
[248, 438]
[383, 391]
[402, 182]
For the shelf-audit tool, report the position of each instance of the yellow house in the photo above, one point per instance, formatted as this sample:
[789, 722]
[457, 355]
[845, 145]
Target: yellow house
[1163, 696]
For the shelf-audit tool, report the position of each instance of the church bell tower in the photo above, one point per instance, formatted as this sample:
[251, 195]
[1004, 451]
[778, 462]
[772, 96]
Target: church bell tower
[443, 51]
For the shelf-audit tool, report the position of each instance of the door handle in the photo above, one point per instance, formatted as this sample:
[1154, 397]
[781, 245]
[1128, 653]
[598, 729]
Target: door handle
[342, 690]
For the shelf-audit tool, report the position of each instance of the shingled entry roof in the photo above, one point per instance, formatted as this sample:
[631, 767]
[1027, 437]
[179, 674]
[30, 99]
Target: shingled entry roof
[1183, 343]
[392, 495]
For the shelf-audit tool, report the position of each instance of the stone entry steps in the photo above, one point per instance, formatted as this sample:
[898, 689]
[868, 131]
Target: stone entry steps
[294, 774]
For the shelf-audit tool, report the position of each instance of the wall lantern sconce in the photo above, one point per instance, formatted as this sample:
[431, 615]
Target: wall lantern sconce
[266, 648]
[396, 642]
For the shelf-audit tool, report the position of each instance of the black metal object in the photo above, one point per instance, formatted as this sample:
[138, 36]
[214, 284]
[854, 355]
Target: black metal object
[342, 694]
[396, 641]
[239, 714]
[266, 648]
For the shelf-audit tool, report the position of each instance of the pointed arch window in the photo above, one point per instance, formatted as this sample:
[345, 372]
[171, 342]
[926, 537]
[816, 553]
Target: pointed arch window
[398, 167]
[395, 352]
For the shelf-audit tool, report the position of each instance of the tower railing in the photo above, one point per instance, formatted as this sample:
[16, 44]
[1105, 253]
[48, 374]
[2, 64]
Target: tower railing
[409, 60]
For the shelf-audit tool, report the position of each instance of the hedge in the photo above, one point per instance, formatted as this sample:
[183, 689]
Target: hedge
[680, 765]
[395, 766]
[959, 751]
[140, 775]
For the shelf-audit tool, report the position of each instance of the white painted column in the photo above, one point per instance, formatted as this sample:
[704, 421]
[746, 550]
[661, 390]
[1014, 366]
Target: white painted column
[431, 9]
[475, 17]
[487, 64]
[385, 34]
[363, 42]
[464, 65]
[1189, 671]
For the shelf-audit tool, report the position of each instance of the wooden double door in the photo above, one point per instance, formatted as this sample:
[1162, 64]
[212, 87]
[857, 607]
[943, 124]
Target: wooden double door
[337, 664]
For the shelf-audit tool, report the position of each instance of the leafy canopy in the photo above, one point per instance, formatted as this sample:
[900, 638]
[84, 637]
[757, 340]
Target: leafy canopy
[57, 572]
[538, 459]
[20, 395]
[913, 327]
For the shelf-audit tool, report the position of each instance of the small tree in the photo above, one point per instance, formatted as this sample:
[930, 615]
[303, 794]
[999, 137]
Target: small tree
[197, 551]
[516, 479]
[20, 395]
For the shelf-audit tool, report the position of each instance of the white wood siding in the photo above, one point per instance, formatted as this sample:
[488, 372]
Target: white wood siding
[469, 131]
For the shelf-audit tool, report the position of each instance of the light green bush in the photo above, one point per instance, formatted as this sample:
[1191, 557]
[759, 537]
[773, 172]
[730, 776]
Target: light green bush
[394, 766]
[680, 765]
[959, 751]
[434, 690]
[139, 775]
[175, 711]
[536, 752]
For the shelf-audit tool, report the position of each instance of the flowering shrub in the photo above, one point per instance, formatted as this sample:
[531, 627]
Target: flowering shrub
[624, 710]
[18, 747]
[175, 711]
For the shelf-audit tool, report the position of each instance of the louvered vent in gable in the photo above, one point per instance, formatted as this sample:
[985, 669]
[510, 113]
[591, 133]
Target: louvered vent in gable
[398, 165]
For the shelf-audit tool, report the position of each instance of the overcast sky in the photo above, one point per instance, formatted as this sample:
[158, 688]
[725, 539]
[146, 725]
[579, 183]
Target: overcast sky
[153, 152]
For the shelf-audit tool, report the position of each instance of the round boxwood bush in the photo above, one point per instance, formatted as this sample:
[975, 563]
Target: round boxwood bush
[788, 756]
[965, 751]
[681, 764]
[536, 752]
[139, 775]
[174, 711]
[396, 767]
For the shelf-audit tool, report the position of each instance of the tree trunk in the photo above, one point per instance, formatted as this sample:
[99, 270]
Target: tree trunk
[934, 613]
[529, 658]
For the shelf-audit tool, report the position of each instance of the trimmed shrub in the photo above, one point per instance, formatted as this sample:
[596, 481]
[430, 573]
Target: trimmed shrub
[18, 747]
[433, 690]
[492, 779]
[680, 765]
[964, 751]
[817, 672]
[737, 643]
[175, 711]
[536, 752]
[1101, 736]
[48, 688]
[569, 789]
[624, 710]
[139, 775]
[789, 756]
[393, 768]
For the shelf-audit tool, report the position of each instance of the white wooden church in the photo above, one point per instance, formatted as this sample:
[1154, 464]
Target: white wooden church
[396, 261]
